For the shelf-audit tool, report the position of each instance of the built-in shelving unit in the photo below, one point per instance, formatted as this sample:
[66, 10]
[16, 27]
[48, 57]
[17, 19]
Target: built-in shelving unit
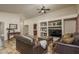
[55, 28]
[43, 29]
[57, 24]
[46, 26]
[54, 24]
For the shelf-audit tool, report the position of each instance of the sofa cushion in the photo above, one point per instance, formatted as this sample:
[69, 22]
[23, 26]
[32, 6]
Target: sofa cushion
[28, 38]
[67, 35]
[24, 39]
[67, 38]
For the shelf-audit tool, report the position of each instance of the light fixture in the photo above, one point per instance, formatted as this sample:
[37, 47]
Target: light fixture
[43, 9]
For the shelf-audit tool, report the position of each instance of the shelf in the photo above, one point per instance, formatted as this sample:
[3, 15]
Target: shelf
[43, 26]
[55, 23]
[43, 36]
[43, 31]
[35, 30]
[54, 27]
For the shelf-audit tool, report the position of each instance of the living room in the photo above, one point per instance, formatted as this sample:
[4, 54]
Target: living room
[32, 20]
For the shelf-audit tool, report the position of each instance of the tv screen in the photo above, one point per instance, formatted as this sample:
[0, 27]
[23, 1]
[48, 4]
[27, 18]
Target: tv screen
[55, 32]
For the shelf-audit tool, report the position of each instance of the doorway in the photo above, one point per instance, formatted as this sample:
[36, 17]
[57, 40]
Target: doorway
[1, 34]
[26, 30]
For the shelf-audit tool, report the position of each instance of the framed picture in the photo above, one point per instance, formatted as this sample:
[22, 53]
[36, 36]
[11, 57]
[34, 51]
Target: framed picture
[13, 26]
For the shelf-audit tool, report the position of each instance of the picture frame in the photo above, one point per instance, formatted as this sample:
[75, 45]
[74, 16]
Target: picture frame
[13, 26]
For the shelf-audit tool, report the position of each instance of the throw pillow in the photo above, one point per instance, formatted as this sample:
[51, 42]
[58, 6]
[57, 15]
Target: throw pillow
[68, 40]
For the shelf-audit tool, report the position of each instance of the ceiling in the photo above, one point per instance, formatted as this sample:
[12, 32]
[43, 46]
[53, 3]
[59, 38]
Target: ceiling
[29, 10]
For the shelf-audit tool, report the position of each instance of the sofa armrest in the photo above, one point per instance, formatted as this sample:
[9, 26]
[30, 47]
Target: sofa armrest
[70, 45]
[66, 48]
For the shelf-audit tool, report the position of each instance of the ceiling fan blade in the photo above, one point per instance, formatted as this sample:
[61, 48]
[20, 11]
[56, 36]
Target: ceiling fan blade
[47, 9]
[44, 11]
[39, 12]
[43, 7]
[38, 9]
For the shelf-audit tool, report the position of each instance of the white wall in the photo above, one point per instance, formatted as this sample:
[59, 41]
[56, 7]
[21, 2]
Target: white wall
[59, 14]
[78, 8]
[9, 18]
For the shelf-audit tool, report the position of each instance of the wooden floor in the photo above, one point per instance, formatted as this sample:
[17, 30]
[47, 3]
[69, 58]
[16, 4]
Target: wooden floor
[9, 47]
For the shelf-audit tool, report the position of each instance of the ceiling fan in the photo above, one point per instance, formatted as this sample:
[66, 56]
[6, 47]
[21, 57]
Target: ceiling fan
[43, 10]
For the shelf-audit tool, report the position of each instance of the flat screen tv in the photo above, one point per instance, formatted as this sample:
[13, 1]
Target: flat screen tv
[55, 32]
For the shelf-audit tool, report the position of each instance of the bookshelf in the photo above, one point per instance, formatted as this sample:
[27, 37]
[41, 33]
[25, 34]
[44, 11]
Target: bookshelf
[43, 29]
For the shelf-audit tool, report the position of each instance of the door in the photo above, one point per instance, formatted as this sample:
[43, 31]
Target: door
[35, 29]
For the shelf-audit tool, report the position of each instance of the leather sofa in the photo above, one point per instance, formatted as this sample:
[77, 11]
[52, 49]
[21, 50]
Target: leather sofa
[63, 48]
[73, 48]
[24, 46]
